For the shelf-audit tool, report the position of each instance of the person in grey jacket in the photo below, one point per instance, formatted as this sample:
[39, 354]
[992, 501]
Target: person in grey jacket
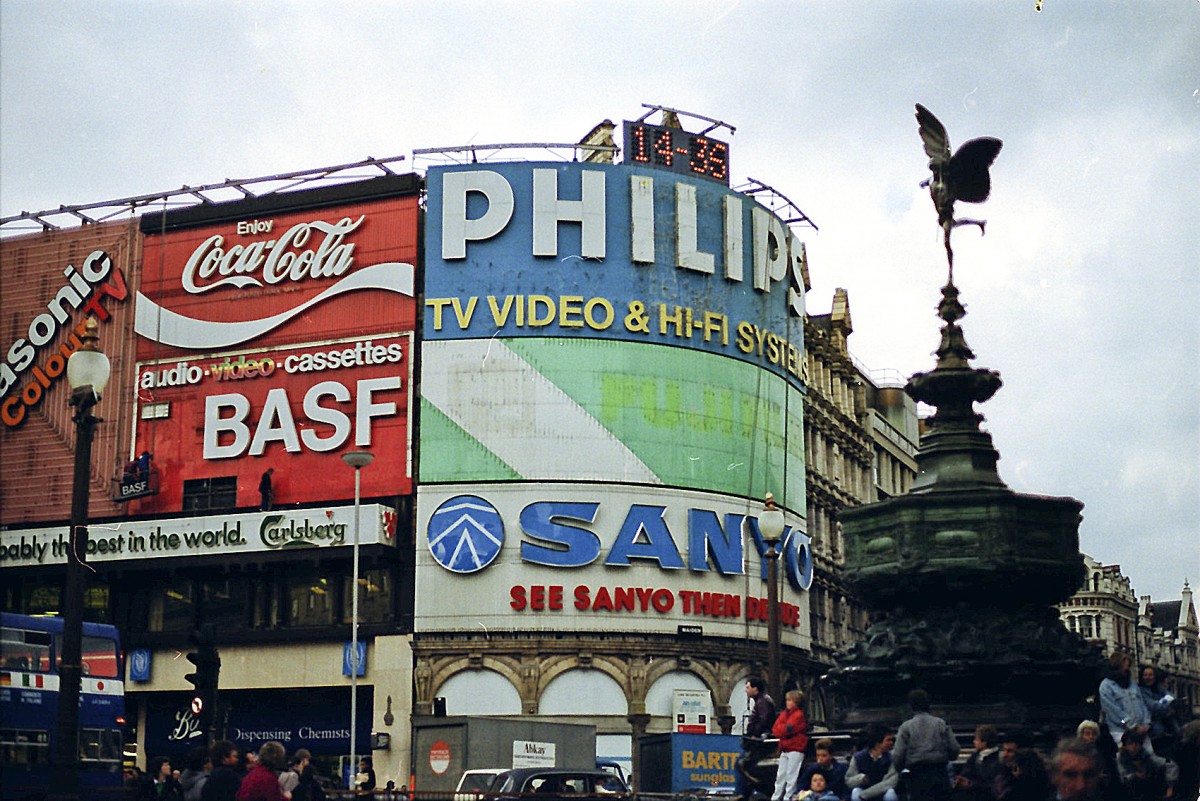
[924, 746]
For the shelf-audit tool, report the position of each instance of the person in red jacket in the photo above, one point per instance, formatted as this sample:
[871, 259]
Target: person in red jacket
[792, 730]
[262, 782]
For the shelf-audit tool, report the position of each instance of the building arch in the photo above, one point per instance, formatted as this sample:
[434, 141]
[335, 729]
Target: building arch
[445, 670]
[658, 693]
[480, 692]
[555, 666]
[603, 695]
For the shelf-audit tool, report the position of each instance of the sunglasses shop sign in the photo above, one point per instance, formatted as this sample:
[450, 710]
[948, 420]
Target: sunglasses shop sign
[216, 535]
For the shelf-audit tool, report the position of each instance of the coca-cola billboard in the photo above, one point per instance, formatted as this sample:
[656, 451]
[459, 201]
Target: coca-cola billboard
[299, 276]
[276, 339]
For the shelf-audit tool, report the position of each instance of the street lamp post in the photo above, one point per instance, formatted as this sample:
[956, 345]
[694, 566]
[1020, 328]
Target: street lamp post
[771, 525]
[358, 460]
[87, 374]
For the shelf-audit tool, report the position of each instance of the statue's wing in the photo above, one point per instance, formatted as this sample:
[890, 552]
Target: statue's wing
[967, 175]
[933, 134]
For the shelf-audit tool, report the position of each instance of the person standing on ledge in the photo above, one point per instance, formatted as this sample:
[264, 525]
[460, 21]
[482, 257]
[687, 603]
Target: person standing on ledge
[267, 490]
[924, 745]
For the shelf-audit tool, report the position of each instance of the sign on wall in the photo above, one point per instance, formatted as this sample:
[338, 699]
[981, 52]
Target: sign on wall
[287, 277]
[36, 359]
[278, 340]
[692, 710]
[294, 408]
[224, 535]
[584, 557]
[612, 252]
[316, 718]
[518, 409]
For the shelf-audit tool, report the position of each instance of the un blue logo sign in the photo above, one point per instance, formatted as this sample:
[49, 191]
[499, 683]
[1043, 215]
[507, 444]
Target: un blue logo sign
[466, 534]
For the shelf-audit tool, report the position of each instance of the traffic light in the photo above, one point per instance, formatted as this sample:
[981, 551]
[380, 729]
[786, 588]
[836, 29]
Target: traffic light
[204, 684]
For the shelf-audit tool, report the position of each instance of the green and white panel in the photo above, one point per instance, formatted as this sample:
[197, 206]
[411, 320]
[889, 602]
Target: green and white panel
[593, 410]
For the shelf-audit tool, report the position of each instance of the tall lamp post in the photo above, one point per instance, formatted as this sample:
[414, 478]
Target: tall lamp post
[770, 525]
[87, 374]
[358, 460]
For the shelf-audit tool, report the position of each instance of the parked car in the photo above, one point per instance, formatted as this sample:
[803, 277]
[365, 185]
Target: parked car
[474, 783]
[557, 781]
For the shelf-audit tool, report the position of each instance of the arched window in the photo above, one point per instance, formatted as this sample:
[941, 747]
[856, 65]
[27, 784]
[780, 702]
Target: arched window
[480, 692]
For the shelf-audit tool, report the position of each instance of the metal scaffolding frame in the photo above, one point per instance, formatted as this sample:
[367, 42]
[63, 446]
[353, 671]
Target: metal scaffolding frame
[776, 201]
[229, 189]
[473, 154]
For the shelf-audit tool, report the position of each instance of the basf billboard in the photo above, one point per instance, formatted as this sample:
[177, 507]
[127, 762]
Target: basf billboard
[278, 338]
[626, 343]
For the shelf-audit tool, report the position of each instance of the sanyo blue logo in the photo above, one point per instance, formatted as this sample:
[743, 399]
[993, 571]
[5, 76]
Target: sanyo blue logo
[466, 534]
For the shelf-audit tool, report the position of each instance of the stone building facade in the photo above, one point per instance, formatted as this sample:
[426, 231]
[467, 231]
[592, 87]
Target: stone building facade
[1107, 612]
[1168, 637]
[860, 440]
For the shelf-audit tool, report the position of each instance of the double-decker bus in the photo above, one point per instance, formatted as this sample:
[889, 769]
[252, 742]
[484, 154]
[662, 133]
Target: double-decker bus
[30, 651]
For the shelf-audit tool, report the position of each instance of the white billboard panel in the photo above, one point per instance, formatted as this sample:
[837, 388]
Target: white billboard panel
[233, 535]
[552, 556]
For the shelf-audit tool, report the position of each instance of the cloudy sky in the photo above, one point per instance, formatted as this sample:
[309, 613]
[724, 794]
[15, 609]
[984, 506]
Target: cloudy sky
[1084, 293]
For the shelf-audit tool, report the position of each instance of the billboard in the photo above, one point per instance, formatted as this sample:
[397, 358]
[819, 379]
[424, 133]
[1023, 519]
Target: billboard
[210, 535]
[278, 339]
[598, 251]
[527, 408]
[571, 556]
[612, 378]
[52, 283]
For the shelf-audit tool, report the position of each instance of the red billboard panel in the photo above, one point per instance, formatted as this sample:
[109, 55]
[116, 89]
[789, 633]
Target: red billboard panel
[292, 408]
[297, 276]
[277, 340]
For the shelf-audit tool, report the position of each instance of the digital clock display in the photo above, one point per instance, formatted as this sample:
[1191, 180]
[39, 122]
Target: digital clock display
[676, 150]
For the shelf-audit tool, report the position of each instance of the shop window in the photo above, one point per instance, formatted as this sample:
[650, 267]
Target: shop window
[226, 603]
[374, 600]
[96, 607]
[43, 600]
[172, 606]
[265, 605]
[310, 601]
[210, 494]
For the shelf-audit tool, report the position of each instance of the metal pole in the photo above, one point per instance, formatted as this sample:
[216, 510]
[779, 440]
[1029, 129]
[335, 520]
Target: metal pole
[354, 634]
[773, 677]
[65, 777]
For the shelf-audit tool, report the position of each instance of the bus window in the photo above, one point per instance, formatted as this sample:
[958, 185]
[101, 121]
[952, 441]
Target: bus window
[100, 745]
[24, 747]
[25, 650]
[100, 658]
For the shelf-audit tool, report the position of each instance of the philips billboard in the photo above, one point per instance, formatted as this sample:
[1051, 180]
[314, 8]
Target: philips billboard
[600, 251]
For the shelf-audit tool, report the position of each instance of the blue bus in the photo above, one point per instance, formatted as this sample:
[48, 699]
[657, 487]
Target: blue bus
[30, 650]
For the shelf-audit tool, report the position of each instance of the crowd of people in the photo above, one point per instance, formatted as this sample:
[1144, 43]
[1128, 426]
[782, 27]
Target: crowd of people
[1142, 749]
[222, 773]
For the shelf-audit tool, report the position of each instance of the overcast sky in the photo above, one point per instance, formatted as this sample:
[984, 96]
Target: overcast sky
[1083, 293]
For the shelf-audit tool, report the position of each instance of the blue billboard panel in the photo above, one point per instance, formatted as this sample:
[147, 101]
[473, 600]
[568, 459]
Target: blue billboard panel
[602, 251]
